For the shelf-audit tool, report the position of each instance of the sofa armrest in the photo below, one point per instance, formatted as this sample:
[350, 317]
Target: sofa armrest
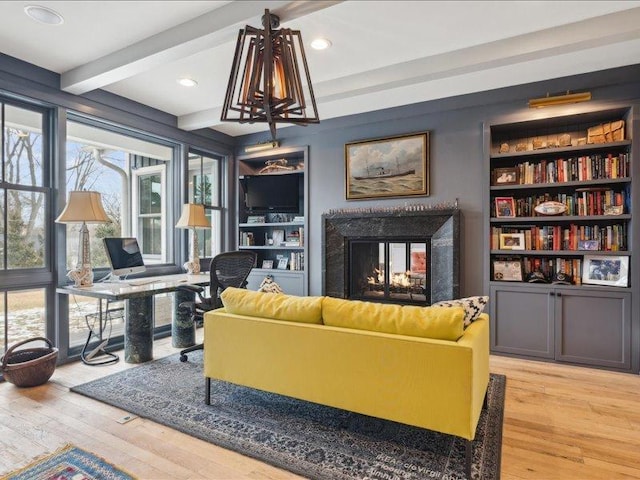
[476, 337]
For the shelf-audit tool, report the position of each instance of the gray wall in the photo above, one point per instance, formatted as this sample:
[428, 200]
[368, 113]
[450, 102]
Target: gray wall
[456, 126]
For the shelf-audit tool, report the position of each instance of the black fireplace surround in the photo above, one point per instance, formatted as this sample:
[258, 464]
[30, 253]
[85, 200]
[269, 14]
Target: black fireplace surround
[439, 227]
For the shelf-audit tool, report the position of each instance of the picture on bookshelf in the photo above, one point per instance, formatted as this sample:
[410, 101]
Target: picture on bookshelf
[512, 241]
[267, 264]
[505, 176]
[283, 263]
[588, 245]
[278, 237]
[613, 209]
[507, 270]
[611, 271]
[505, 207]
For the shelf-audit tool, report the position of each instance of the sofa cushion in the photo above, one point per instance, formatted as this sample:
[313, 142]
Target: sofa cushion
[473, 307]
[276, 306]
[430, 322]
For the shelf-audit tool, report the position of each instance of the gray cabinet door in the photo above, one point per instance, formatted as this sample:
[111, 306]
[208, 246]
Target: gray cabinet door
[522, 320]
[594, 327]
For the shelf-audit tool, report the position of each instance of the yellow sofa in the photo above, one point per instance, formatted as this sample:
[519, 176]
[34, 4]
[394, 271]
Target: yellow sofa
[283, 344]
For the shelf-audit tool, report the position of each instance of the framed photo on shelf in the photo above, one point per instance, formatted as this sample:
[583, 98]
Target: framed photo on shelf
[505, 207]
[278, 237]
[505, 176]
[587, 244]
[507, 270]
[512, 241]
[267, 264]
[283, 263]
[387, 167]
[605, 270]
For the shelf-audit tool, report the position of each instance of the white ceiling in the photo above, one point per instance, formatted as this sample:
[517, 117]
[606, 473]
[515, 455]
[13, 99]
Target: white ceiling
[384, 53]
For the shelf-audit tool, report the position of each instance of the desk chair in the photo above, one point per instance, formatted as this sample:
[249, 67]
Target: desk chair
[228, 269]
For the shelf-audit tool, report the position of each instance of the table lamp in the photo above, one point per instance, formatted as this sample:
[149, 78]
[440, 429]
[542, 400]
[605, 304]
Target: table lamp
[83, 207]
[193, 217]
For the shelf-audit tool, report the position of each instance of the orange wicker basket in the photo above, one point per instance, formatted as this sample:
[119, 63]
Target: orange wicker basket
[29, 367]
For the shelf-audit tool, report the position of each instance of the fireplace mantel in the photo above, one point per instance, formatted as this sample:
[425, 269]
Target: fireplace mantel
[442, 226]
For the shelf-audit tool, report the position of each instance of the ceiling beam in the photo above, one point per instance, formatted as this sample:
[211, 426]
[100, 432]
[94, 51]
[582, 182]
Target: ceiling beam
[204, 32]
[571, 38]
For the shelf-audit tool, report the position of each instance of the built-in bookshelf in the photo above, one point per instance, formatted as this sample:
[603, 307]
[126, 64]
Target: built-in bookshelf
[587, 186]
[272, 216]
[560, 237]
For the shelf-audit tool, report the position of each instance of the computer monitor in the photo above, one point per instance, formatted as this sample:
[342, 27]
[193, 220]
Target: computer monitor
[124, 255]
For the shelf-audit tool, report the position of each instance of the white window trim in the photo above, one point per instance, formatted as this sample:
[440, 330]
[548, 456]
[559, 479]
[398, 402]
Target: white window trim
[135, 195]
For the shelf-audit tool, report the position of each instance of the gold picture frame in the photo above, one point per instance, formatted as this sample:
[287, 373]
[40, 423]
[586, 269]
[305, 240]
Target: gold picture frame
[512, 241]
[387, 167]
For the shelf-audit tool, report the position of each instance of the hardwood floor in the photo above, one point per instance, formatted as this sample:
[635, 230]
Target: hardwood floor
[561, 422]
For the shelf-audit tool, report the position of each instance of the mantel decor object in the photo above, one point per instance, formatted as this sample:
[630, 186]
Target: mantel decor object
[193, 217]
[266, 80]
[83, 207]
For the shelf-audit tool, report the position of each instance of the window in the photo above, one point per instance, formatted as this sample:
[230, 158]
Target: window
[205, 188]
[131, 175]
[24, 236]
[23, 198]
[149, 212]
[22, 316]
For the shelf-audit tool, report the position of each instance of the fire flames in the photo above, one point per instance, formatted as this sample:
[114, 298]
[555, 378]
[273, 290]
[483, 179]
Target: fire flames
[397, 279]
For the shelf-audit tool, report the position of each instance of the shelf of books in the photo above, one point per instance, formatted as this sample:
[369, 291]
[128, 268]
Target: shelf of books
[560, 190]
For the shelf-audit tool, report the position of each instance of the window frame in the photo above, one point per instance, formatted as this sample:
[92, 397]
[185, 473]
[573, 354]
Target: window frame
[136, 229]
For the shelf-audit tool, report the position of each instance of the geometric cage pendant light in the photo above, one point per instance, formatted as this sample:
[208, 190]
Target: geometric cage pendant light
[265, 84]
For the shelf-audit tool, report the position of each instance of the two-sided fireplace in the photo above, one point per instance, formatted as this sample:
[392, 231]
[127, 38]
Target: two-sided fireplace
[382, 270]
[399, 256]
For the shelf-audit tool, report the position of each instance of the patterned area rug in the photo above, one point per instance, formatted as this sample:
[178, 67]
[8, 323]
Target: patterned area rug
[305, 438]
[69, 463]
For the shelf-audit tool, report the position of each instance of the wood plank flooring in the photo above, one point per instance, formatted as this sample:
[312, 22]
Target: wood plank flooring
[561, 422]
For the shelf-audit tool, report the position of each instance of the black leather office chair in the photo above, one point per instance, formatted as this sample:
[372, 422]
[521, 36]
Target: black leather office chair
[228, 269]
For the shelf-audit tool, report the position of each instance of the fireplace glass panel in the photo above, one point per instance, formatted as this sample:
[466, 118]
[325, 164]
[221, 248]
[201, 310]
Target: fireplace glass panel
[389, 271]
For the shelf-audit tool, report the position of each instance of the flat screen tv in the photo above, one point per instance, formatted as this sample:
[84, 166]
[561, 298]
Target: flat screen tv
[124, 255]
[272, 193]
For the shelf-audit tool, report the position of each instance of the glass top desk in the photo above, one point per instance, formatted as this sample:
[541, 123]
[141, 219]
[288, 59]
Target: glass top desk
[137, 295]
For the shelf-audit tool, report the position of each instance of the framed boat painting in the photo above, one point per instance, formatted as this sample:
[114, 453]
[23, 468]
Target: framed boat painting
[387, 167]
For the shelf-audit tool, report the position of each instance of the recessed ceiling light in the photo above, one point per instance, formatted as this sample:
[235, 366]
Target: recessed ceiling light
[43, 15]
[187, 82]
[320, 44]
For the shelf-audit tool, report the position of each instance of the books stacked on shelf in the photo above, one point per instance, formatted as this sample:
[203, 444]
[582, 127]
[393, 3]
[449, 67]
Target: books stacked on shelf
[583, 202]
[246, 239]
[572, 237]
[592, 167]
[297, 261]
[294, 238]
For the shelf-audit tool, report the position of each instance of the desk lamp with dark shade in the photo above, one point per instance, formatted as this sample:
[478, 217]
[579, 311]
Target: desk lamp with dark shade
[193, 217]
[83, 207]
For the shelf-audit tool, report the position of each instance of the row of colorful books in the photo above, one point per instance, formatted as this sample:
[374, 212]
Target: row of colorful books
[580, 203]
[572, 237]
[575, 169]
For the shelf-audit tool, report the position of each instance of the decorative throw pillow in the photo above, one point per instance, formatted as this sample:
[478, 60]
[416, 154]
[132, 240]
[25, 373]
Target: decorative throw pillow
[473, 307]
